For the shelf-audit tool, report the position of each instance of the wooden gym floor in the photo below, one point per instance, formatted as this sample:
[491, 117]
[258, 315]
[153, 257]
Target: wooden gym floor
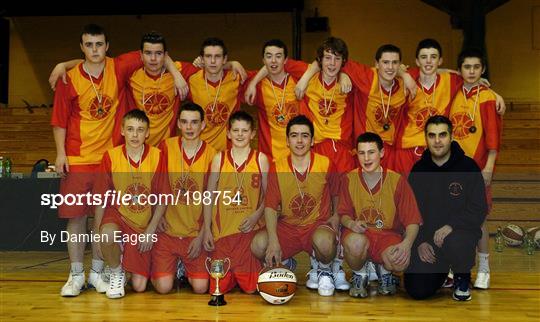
[30, 283]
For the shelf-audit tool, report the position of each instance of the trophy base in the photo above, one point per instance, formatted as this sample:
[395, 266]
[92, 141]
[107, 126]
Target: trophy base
[217, 300]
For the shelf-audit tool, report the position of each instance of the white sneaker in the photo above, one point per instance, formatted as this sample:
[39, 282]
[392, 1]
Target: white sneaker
[326, 283]
[482, 280]
[116, 285]
[99, 281]
[313, 279]
[74, 285]
[340, 281]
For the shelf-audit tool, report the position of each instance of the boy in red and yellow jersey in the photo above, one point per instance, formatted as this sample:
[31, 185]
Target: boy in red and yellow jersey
[303, 185]
[478, 130]
[382, 98]
[128, 230]
[83, 118]
[434, 97]
[188, 160]
[330, 109]
[152, 88]
[232, 220]
[376, 206]
[218, 91]
[275, 100]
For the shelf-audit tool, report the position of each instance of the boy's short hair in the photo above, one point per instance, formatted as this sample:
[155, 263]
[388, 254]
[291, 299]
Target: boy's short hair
[387, 48]
[439, 119]
[276, 43]
[300, 120]
[241, 116]
[213, 41]
[470, 53]
[153, 37]
[369, 137]
[94, 30]
[138, 115]
[428, 43]
[190, 106]
[334, 45]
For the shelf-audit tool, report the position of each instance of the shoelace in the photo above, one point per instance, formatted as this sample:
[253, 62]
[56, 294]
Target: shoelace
[356, 281]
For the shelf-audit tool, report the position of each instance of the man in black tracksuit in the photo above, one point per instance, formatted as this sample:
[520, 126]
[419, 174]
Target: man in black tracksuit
[450, 193]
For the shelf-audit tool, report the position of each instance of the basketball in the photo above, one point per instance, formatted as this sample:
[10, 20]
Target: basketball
[513, 235]
[534, 232]
[277, 285]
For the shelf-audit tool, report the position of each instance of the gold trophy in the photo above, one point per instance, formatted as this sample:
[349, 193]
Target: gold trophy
[217, 270]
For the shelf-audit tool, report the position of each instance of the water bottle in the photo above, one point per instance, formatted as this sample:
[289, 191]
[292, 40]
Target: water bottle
[499, 240]
[7, 168]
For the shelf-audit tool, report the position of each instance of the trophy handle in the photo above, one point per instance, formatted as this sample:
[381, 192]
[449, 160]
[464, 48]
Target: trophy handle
[227, 260]
[208, 260]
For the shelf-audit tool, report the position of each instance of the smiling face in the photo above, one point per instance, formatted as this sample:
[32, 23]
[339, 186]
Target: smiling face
[388, 66]
[369, 156]
[240, 133]
[331, 64]
[94, 48]
[274, 59]
[428, 61]
[135, 132]
[299, 140]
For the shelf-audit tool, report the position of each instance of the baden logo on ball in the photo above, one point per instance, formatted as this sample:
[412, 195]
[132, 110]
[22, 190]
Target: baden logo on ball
[217, 270]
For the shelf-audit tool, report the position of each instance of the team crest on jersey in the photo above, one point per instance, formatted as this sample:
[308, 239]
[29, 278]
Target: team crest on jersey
[327, 108]
[462, 125]
[379, 115]
[283, 117]
[156, 104]
[100, 110]
[422, 116]
[455, 189]
[184, 187]
[216, 115]
[136, 190]
[242, 196]
[302, 207]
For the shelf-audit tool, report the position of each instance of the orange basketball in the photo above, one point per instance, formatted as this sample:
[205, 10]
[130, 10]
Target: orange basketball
[277, 285]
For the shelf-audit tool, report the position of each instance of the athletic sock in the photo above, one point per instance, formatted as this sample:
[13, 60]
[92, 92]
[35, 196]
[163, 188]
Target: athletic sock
[77, 267]
[483, 262]
[97, 265]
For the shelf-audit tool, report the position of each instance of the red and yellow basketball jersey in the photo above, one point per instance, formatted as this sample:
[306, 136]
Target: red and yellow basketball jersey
[330, 110]
[428, 102]
[477, 130]
[304, 199]
[391, 205]
[134, 178]
[277, 105]
[375, 110]
[186, 175]
[219, 100]
[155, 95]
[246, 179]
[88, 108]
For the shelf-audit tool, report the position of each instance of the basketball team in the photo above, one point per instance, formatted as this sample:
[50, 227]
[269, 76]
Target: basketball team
[387, 168]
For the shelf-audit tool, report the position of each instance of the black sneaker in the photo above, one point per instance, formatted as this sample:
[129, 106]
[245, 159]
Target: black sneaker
[462, 290]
